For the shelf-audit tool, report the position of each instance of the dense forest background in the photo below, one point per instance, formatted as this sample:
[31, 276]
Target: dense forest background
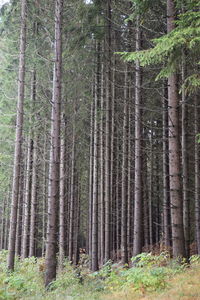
[101, 155]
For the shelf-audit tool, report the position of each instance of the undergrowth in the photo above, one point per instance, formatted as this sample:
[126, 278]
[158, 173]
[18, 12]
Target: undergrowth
[148, 273]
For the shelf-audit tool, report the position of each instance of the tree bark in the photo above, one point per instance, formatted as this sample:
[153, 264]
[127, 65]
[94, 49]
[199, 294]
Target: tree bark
[102, 204]
[150, 197]
[124, 248]
[185, 175]
[62, 201]
[174, 153]
[166, 195]
[72, 198]
[33, 198]
[90, 210]
[19, 214]
[95, 265]
[27, 197]
[197, 174]
[52, 232]
[18, 140]
[2, 245]
[137, 243]
[44, 193]
[33, 192]
[108, 135]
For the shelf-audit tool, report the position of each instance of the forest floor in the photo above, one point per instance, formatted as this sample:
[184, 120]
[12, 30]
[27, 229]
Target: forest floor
[152, 277]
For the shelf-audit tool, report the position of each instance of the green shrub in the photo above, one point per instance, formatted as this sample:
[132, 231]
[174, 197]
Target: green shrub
[149, 272]
[195, 259]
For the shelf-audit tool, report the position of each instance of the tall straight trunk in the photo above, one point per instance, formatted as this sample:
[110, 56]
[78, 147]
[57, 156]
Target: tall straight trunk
[118, 202]
[124, 248]
[27, 197]
[77, 223]
[113, 147]
[44, 193]
[102, 217]
[166, 199]
[185, 175]
[62, 201]
[174, 153]
[52, 230]
[137, 242]
[150, 196]
[19, 214]
[7, 221]
[91, 169]
[2, 242]
[197, 174]
[33, 198]
[96, 162]
[129, 188]
[67, 193]
[18, 140]
[67, 209]
[145, 202]
[108, 135]
[157, 195]
[130, 137]
[72, 198]
[34, 176]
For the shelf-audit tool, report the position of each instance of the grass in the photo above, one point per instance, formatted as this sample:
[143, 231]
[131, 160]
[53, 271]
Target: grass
[184, 286]
[152, 277]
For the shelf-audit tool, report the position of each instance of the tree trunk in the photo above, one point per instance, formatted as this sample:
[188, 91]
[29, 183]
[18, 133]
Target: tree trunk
[19, 214]
[124, 248]
[150, 197]
[185, 176]
[108, 135]
[34, 175]
[91, 170]
[52, 231]
[2, 245]
[62, 202]
[7, 222]
[102, 204]
[72, 198]
[130, 184]
[174, 153]
[166, 198]
[44, 192]
[197, 174]
[18, 141]
[137, 243]
[96, 163]
[27, 197]
[77, 223]
[33, 198]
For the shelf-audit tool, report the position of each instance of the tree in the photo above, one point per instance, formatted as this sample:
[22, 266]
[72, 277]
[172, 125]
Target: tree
[97, 96]
[18, 141]
[52, 230]
[108, 134]
[137, 242]
[174, 153]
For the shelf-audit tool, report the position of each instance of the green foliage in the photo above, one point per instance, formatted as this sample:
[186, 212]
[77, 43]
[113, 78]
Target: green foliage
[195, 259]
[66, 278]
[198, 138]
[169, 48]
[149, 260]
[149, 273]
[105, 271]
[192, 83]
[142, 6]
